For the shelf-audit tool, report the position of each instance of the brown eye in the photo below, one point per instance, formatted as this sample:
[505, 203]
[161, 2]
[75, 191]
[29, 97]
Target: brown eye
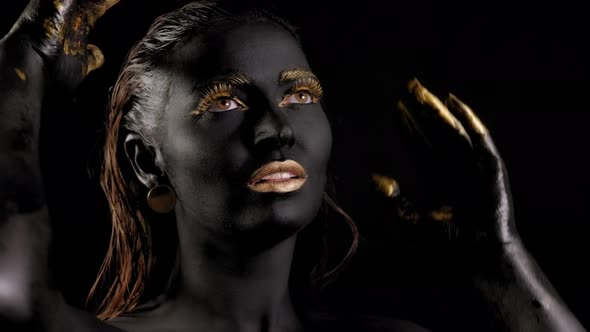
[223, 104]
[298, 97]
[303, 97]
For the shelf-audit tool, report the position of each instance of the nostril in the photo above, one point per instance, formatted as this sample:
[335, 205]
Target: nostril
[273, 131]
[266, 138]
[286, 137]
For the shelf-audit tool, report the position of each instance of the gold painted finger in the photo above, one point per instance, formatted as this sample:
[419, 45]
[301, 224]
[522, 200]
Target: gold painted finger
[465, 112]
[386, 185]
[425, 97]
[95, 58]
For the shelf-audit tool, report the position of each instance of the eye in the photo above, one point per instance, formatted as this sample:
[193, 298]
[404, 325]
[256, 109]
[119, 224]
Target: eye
[298, 97]
[224, 104]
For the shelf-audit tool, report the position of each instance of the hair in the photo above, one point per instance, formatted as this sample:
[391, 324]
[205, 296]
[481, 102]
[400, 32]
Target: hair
[135, 106]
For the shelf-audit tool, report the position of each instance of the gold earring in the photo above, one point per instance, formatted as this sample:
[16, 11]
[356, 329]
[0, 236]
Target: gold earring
[161, 199]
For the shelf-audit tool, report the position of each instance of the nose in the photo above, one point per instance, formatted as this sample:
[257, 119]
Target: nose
[273, 130]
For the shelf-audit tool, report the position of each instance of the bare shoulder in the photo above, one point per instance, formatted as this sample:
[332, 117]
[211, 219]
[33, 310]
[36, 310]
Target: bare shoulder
[68, 318]
[363, 323]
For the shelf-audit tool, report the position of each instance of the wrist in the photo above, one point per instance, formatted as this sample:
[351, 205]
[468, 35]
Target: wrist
[493, 260]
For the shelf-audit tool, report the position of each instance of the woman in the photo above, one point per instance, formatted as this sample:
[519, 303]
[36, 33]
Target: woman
[216, 124]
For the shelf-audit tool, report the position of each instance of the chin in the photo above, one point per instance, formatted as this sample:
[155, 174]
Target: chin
[277, 217]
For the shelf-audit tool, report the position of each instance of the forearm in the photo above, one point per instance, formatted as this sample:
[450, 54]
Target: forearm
[520, 295]
[21, 95]
[46, 50]
[24, 226]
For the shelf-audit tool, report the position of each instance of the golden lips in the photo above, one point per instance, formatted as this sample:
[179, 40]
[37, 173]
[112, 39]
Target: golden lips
[278, 177]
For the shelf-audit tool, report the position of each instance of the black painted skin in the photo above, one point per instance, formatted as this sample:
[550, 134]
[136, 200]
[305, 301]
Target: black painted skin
[235, 245]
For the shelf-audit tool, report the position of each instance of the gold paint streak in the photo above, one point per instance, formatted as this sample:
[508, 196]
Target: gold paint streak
[73, 47]
[49, 28]
[95, 59]
[58, 5]
[101, 9]
[52, 30]
[425, 97]
[473, 119]
[386, 185]
[77, 22]
[410, 122]
[444, 214]
[21, 74]
[407, 116]
[408, 215]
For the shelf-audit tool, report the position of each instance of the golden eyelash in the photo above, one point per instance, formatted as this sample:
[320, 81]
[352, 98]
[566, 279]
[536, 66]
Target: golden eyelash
[308, 84]
[213, 93]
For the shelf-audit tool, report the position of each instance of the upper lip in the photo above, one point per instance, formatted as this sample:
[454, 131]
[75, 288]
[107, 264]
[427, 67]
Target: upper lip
[289, 165]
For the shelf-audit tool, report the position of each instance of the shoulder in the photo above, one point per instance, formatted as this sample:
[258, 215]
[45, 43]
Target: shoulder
[363, 323]
[68, 318]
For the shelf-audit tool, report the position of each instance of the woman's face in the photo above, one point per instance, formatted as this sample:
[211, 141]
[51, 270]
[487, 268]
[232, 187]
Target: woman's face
[245, 142]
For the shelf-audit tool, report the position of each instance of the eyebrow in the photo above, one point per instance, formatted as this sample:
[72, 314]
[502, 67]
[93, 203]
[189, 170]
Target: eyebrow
[241, 79]
[296, 74]
[237, 79]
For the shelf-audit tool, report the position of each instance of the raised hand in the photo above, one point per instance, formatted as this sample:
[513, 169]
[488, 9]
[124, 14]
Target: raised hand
[58, 30]
[468, 194]
[46, 49]
[460, 168]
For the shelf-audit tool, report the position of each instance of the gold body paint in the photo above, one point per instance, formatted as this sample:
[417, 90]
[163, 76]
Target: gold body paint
[425, 97]
[386, 185]
[473, 119]
[21, 74]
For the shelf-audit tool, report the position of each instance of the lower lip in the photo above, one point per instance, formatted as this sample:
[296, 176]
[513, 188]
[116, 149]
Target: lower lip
[278, 186]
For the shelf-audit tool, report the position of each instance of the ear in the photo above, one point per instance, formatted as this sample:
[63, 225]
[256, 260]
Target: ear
[143, 160]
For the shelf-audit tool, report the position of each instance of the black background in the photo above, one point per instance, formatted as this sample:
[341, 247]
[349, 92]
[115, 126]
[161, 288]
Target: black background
[521, 67]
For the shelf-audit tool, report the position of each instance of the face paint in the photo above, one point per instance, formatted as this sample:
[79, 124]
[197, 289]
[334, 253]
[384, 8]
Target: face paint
[252, 161]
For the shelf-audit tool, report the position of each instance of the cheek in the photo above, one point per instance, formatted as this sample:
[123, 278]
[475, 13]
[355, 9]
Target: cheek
[202, 150]
[315, 135]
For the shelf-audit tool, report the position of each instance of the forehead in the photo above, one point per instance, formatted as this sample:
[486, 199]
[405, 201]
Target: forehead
[259, 50]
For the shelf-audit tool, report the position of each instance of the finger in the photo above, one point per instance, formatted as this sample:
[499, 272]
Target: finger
[89, 12]
[432, 112]
[478, 132]
[410, 124]
[386, 185]
[103, 6]
[98, 8]
[95, 58]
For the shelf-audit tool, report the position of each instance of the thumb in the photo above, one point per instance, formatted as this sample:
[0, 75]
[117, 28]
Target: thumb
[94, 59]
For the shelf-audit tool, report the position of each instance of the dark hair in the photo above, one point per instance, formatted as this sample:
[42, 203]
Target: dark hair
[135, 106]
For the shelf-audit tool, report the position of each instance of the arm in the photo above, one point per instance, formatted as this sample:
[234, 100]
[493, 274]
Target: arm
[462, 163]
[521, 297]
[22, 206]
[45, 49]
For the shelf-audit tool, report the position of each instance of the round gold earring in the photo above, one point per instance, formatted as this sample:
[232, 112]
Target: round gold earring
[161, 199]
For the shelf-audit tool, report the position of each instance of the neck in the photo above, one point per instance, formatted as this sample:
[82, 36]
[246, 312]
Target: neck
[240, 291]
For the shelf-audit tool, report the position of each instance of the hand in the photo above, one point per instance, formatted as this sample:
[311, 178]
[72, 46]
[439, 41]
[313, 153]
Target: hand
[58, 31]
[461, 165]
[464, 181]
